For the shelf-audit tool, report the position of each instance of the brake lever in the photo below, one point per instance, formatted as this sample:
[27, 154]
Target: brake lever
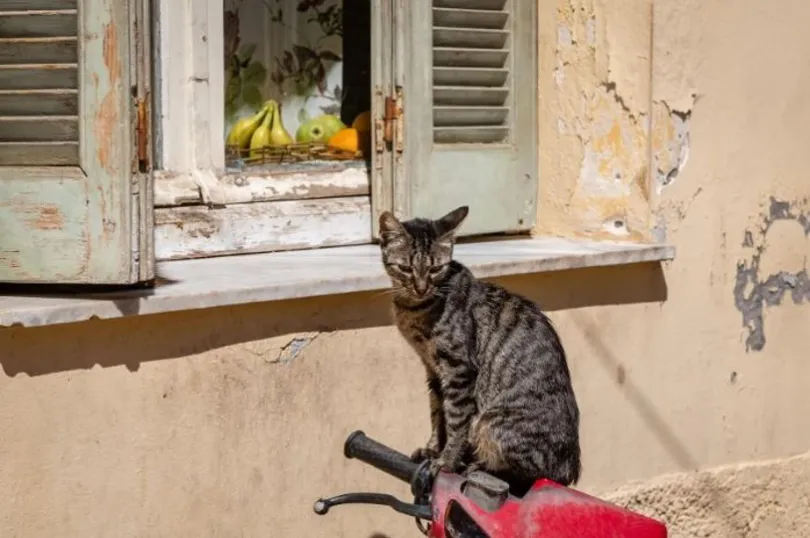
[420, 511]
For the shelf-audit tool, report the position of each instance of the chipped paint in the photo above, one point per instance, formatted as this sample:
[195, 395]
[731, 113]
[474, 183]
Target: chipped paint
[293, 349]
[49, 217]
[107, 119]
[174, 189]
[670, 142]
[615, 144]
[754, 289]
[195, 231]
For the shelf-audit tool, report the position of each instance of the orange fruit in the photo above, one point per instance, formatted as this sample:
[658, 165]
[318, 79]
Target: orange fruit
[347, 139]
[363, 121]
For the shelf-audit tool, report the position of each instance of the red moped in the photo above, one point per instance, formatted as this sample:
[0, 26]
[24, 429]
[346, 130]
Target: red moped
[480, 505]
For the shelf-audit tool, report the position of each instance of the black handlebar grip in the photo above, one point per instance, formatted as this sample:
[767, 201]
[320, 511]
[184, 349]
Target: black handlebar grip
[386, 459]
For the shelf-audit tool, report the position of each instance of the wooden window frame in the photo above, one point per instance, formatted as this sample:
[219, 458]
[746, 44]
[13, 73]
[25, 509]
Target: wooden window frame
[201, 210]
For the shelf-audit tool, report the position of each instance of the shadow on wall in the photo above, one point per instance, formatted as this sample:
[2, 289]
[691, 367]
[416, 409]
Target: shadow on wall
[135, 340]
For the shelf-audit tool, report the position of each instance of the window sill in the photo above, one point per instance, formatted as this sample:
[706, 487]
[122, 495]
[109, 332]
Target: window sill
[212, 282]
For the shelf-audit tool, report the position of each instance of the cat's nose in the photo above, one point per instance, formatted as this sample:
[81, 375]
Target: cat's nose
[420, 287]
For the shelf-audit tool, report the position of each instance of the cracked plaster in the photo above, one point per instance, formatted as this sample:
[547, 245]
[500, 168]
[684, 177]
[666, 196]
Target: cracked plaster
[605, 132]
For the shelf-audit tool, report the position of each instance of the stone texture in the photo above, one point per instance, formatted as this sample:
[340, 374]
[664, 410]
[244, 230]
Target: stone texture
[765, 499]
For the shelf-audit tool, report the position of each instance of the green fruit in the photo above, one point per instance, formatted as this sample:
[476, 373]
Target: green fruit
[319, 129]
[261, 137]
[242, 131]
[278, 134]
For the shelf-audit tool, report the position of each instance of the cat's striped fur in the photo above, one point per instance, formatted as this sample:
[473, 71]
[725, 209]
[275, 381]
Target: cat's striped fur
[500, 390]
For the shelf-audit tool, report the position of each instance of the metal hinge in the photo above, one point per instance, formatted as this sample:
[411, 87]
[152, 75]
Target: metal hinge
[392, 121]
[142, 134]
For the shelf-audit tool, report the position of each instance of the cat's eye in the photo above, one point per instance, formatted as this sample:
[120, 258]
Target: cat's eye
[436, 269]
[403, 268]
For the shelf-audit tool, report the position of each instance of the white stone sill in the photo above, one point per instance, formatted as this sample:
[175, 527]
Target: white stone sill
[234, 280]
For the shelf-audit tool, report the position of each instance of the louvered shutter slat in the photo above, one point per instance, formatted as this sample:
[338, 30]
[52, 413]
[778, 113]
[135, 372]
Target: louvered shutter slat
[470, 50]
[39, 124]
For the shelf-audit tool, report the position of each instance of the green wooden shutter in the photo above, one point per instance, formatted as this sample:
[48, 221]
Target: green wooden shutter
[74, 204]
[468, 72]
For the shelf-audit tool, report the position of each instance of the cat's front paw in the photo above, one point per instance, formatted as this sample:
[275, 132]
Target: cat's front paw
[442, 464]
[472, 468]
[426, 453]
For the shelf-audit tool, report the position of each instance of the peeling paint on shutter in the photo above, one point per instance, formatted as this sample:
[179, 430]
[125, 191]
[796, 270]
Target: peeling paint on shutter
[39, 102]
[74, 208]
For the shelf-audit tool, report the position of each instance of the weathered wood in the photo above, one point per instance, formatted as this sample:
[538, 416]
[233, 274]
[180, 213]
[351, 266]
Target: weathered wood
[172, 190]
[39, 102]
[45, 23]
[469, 18]
[72, 224]
[469, 76]
[470, 135]
[39, 50]
[190, 122]
[382, 65]
[19, 5]
[44, 77]
[43, 228]
[469, 38]
[471, 4]
[39, 129]
[39, 153]
[198, 231]
[458, 116]
[461, 95]
[465, 57]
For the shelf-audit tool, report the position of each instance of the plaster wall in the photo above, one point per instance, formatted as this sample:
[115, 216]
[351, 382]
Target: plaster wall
[691, 376]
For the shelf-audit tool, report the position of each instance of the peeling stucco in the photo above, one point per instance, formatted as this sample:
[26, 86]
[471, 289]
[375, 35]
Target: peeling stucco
[295, 347]
[755, 287]
[598, 93]
[612, 144]
[670, 142]
[282, 350]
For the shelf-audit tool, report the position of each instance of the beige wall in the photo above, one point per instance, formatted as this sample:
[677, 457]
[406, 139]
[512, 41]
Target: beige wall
[229, 422]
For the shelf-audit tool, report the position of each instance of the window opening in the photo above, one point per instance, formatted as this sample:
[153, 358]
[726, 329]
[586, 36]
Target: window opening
[297, 85]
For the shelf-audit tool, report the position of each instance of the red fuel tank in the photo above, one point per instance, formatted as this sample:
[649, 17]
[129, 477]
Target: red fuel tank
[548, 510]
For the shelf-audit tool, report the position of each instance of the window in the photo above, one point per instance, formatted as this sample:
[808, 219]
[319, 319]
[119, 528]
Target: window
[108, 165]
[312, 57]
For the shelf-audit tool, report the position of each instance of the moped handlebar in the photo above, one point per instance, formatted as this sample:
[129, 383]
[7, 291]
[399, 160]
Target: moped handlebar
[359, 445]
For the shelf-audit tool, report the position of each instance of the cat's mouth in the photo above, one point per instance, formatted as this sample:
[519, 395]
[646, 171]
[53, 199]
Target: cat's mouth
[415, 297]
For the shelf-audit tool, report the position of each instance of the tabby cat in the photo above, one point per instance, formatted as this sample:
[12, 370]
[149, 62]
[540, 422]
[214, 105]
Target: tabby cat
[500, 390]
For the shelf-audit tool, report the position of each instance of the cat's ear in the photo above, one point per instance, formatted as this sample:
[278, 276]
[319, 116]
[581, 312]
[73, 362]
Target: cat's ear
[390, 227]
[448, 224]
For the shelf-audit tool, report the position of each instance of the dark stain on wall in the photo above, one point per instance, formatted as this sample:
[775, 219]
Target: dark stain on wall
[753, 291]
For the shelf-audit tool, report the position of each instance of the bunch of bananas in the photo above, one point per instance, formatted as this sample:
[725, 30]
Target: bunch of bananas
[264, 129]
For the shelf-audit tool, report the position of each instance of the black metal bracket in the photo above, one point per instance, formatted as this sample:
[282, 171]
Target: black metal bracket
[421, 511]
